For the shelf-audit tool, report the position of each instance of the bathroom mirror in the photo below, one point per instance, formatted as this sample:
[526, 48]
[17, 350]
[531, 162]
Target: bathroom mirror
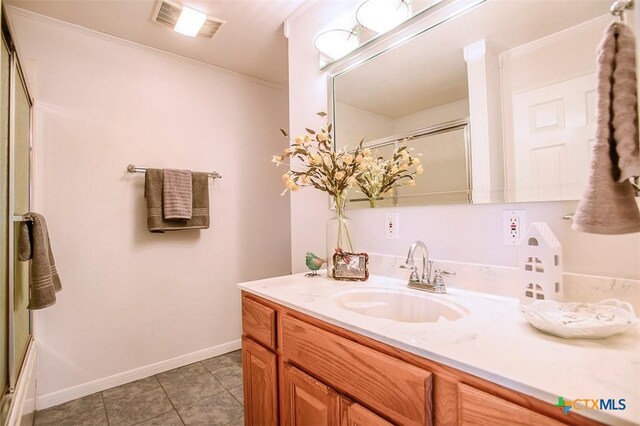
[521, 74]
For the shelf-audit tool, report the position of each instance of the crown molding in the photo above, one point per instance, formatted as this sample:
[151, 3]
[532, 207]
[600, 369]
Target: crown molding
[13, 10]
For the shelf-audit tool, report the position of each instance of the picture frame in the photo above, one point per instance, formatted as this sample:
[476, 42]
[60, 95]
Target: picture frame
[350, 266]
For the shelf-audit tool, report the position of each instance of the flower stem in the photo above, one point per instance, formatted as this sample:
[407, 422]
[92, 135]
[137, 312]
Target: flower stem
[348, 237]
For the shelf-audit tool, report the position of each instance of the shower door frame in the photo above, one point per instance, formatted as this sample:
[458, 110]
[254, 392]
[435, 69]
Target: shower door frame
[14, 73]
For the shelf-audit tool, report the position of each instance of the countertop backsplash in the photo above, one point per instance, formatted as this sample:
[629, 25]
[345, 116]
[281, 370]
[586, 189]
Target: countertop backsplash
[503, 280]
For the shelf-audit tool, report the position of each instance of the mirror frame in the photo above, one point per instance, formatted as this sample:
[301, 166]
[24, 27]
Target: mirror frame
[435, 15]
[423, 21]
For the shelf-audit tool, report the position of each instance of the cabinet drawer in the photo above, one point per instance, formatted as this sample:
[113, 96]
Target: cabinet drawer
[259, 322]
[480, 408]
[397, 390]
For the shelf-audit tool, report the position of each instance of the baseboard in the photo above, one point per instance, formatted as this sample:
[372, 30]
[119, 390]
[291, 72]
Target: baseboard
[64, 395]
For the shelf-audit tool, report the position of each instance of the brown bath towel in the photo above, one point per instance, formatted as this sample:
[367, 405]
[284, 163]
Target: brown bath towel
[177, 195]
[608, 205]
[34, 244]
[200, 205]
[624, 102]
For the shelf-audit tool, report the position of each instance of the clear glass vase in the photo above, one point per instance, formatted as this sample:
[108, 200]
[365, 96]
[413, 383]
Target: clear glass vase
[338, 236]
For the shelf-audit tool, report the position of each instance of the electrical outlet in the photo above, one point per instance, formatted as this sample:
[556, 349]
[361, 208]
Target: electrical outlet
[392, 226]
[514, 224]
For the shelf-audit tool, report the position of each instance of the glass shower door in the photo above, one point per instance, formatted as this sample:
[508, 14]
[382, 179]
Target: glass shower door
[4, 216]
[15, 165]
[15, 201]
[21, 159]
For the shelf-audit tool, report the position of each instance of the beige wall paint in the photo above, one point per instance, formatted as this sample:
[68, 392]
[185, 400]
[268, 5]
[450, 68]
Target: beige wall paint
[131, 298]
[456, 233]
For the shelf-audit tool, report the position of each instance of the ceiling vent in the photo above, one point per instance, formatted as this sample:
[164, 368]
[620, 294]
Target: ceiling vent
[167, 13]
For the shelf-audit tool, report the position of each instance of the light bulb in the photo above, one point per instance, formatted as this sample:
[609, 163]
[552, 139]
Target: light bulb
[336, 43]
[190, 22]
[382, 15]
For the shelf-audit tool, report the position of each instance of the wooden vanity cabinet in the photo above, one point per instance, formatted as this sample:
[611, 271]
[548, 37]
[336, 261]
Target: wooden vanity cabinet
[299, 370]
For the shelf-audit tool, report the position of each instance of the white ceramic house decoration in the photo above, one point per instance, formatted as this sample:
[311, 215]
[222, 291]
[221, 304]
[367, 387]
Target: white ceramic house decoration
[540, 265]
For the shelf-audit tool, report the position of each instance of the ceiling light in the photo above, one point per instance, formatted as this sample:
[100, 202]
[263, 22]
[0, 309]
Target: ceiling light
[382, 15]
[190, 22]
[336, 43]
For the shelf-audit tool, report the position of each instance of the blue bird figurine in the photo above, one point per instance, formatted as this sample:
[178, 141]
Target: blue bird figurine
[313, 263]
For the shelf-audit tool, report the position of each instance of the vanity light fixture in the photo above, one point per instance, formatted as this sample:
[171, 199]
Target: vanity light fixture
[190, 22]
[382, 15]
[336, 43]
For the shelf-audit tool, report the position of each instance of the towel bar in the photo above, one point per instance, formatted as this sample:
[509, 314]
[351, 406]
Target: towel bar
[131, 168]
[618, 8]
[17, 218]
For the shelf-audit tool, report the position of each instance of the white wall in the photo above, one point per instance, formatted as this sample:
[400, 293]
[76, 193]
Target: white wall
[131, 298]
[456, 233]
[307, 96]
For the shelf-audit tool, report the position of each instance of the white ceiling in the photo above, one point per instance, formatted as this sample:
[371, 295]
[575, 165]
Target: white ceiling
[430, 70]
[252, 41]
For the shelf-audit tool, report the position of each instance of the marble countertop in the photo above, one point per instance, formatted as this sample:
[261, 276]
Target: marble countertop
[493, 342]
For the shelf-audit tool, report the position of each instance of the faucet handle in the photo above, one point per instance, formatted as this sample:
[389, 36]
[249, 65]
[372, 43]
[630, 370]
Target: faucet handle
[414, 272]
[445, 273]
[438, 280]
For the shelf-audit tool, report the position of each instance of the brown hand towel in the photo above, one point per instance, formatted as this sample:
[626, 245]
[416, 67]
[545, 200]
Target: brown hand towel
[34, 244]
[620, 38]
[200, 205]
[177, 194]
[608, 205]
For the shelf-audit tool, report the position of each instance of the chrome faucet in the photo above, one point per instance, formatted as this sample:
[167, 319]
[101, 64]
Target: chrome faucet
[424, 282]
[411, 264]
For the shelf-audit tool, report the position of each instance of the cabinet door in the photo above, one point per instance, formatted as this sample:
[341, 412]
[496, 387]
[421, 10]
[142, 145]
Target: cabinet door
[260, 384]
[354, 414]
[306, 401]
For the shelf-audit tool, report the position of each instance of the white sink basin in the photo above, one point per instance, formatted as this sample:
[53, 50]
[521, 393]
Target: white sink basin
[398, 305]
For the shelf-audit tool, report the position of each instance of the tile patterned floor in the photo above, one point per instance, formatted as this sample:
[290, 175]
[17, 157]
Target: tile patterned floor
[204, 393]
